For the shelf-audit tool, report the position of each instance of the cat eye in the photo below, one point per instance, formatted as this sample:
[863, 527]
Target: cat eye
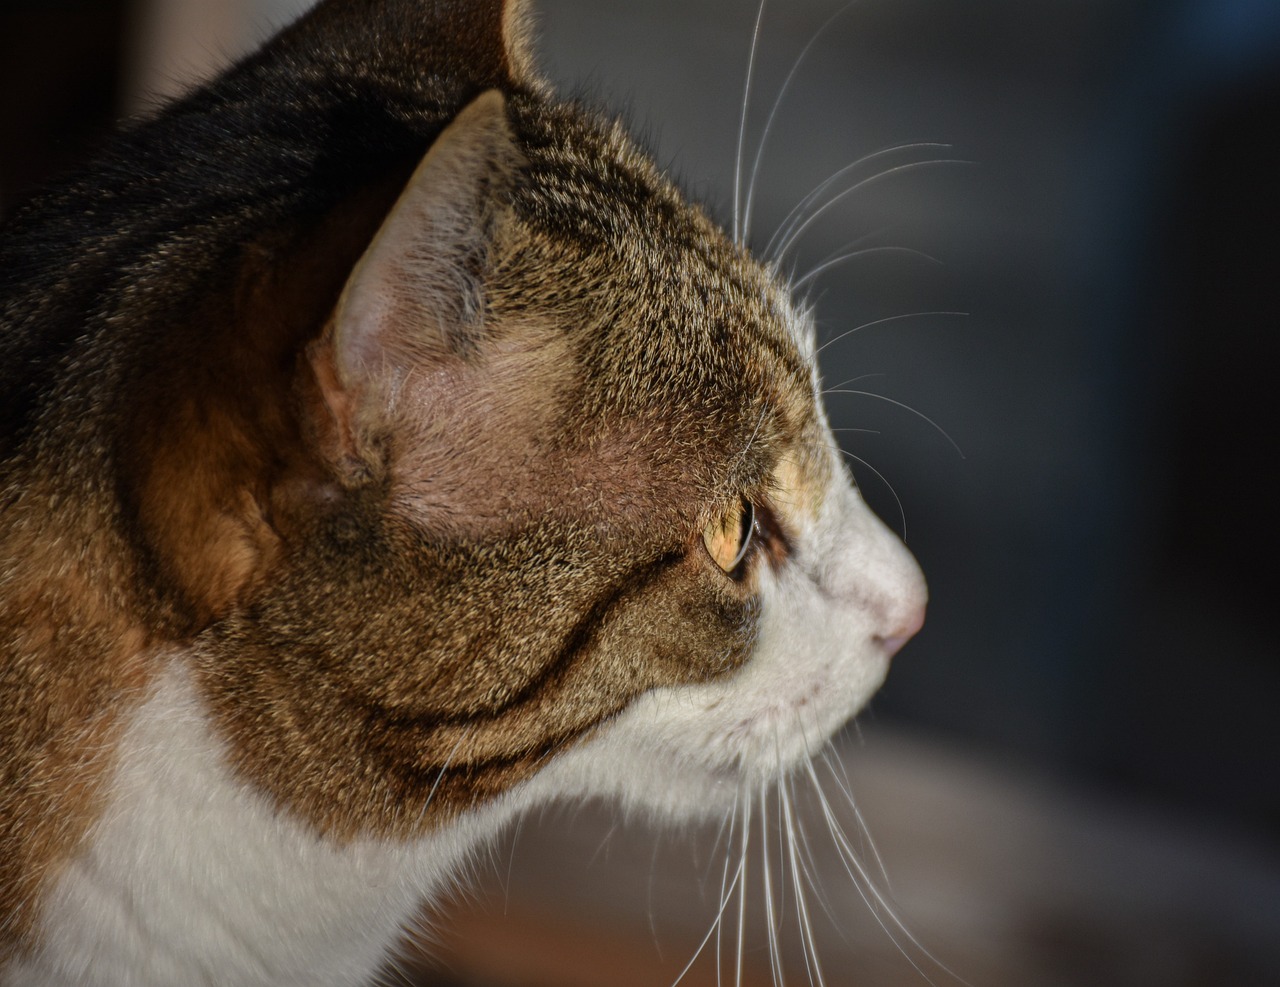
[729, 536]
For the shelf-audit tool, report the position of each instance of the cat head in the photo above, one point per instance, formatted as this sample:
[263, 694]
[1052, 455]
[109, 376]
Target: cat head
[502, 470]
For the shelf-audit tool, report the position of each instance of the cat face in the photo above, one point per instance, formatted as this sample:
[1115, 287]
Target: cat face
[582, 506]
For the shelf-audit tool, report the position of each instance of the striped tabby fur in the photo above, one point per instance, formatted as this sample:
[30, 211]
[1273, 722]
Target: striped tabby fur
[365, 414]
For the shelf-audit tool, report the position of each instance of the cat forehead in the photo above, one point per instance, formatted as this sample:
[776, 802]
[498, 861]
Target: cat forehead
[644, 271]
[626, 322]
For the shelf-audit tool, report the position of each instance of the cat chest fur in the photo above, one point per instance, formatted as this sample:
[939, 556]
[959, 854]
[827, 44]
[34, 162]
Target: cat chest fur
[190, 877]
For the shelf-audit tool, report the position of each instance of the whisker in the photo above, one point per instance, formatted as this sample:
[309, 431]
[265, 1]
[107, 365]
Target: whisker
[794, 236]
[742, 125]
[807, 854]
[851, 380]
[602, 845]
[905, 407]
[650, 898]
[863, 884]
[880, 322]
[742, 886]
[793, 216]
[809, 948]
[875, 900]
[902, 513]
[857, 241]
[810, 864]
[847, 790]
[511, 862]
[807, 850]
[854, 255]
[725, 831]
[773, 112]
[464, 735]
[715, 925]
[728, 850]
[775, 961]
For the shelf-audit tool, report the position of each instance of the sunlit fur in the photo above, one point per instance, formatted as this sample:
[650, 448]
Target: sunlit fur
[366, 411]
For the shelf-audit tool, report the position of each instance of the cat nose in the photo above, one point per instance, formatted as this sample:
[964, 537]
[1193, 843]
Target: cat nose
[893, 642]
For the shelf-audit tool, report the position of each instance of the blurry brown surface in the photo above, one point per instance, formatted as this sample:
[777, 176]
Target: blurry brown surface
[533, 949]
[1002, 877]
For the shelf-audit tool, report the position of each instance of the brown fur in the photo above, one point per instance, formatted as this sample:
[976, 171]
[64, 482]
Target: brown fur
[389, 592]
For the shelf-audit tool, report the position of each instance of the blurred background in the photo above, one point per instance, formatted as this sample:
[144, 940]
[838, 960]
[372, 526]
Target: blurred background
[1065, 361]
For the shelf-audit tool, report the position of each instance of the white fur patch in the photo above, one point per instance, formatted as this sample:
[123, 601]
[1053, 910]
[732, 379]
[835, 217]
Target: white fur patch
[191, 877]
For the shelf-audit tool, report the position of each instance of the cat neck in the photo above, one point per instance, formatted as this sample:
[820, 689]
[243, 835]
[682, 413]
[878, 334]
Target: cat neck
[190, 877]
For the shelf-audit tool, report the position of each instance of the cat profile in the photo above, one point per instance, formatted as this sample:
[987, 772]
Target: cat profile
[389, 447]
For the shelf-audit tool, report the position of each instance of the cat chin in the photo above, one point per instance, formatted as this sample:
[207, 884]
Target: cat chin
[657, 785]
[693, 754]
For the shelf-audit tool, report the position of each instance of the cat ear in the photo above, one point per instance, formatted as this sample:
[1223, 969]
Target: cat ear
[469, 46]
[415, 300]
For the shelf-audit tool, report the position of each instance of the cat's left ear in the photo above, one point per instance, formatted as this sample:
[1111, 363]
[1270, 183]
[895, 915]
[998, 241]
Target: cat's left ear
[415, 301]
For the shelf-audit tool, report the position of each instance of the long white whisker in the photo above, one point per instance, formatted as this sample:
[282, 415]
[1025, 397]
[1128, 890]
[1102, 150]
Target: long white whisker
[809, 948]
[811, 868]
[842, 782]
[742, 885]
[851, 380]
[653, 918]
[854, 255]
[878, 904]
[775, 962]
[798, 210]
[902, 512]
[715, 925]
[728, 849]
[511, 862]
[856, 242]
[793, 237]
[725, 831]
[742, 126]
[440, 777]
[904, 407]
[863, 884]
[810, 864]
[879, 322]
[773, 112]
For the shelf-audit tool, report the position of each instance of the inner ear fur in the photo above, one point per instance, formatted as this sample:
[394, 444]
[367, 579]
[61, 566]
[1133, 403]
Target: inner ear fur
[415, 301]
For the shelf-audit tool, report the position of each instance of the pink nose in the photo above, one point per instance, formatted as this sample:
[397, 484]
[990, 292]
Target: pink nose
[892, 643]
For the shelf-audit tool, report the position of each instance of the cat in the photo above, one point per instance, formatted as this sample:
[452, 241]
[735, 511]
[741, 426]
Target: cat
[390, 447]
